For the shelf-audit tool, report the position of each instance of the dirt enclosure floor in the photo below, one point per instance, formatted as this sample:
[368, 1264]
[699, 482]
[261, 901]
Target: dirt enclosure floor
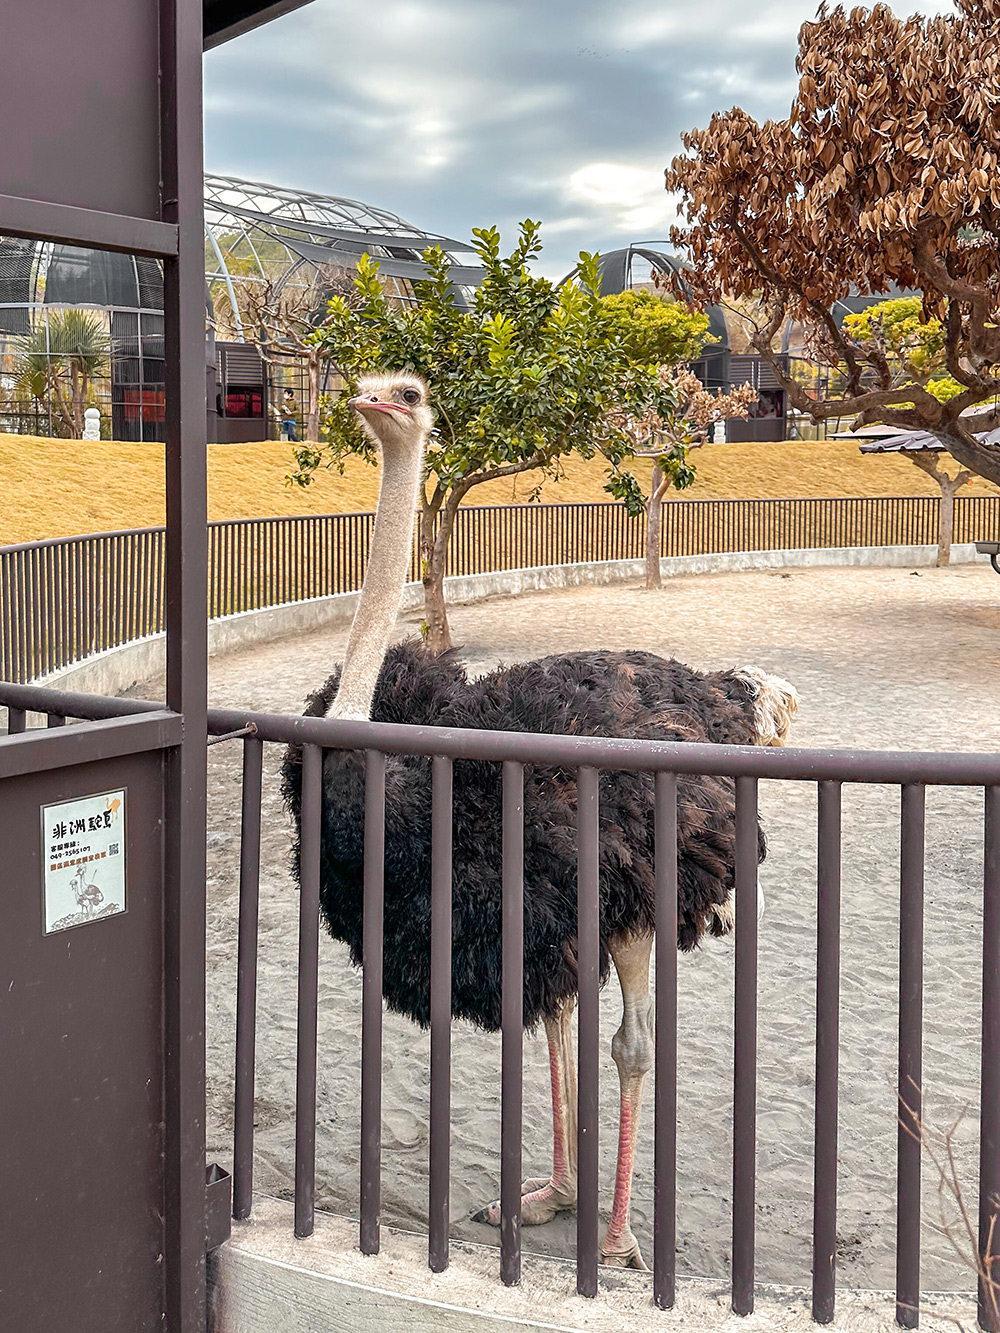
[882, 658]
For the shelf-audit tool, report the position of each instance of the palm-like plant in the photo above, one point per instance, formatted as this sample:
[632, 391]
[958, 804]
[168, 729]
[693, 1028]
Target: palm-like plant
[60, 361]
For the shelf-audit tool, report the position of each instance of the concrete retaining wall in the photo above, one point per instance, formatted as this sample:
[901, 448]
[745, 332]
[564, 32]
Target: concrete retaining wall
[266, 1281]
[119, 668]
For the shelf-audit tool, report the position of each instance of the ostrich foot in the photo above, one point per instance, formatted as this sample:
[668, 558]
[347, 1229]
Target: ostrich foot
[541, 1199]
[623, 1252]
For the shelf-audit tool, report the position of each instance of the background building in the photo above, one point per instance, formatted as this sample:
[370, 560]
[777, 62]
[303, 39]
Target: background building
[80, 324]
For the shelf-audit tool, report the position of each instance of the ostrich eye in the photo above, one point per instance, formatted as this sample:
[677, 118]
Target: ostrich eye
[411, 396]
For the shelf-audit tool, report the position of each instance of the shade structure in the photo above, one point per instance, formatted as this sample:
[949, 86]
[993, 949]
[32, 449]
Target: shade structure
[919, 441]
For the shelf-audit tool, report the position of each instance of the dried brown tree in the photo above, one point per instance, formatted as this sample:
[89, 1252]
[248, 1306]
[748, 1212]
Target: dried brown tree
[886, 172]
[282, 319]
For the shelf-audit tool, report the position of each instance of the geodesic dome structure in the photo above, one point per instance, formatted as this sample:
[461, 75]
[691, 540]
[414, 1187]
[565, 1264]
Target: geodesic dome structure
[256, 233]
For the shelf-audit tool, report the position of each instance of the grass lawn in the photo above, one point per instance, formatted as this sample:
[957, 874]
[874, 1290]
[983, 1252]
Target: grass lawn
[58, 488]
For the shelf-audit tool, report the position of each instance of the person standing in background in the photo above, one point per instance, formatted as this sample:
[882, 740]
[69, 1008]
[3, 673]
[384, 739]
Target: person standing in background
[289, 425]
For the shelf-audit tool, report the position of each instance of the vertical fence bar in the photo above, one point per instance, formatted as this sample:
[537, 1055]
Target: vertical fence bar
[246, 977]
[665, 1091]
[512, 1022]
[589, 965]
[16, 721]
[371, 1002]
[989, 1112]
[827, 1053]
[441, 927]
[745, 1048]
[305, 1064]
[911, 984]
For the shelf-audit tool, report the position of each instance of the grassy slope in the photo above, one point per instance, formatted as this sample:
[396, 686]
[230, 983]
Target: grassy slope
[56, 488]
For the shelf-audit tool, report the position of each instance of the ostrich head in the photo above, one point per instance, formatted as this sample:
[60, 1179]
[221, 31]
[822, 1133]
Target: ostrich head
[394, 409]
[775, 703]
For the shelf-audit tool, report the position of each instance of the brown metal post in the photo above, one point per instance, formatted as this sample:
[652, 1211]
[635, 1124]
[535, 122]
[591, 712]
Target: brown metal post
[182, 177]
[308, 991]
[665, 1091]
[989, 1123]
[371, 1001]
[827, 1052]
[911, 988]
[512, 1022]
[441, 935]
[589, 972]
[745, 1048]
[246, 979]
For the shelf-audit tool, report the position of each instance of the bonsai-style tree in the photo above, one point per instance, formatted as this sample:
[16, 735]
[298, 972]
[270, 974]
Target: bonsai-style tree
[914, 346]
[886, 172]
[526, 376]
[61, 362]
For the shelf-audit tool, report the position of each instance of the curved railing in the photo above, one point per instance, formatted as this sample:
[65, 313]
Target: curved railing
[66, 599]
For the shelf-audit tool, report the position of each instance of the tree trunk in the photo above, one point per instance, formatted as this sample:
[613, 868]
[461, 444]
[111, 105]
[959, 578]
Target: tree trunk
[312, 416]
[946, 520]
[436, 545]
[654, 517]
[65, 408]
[436, 625]
[77, 399]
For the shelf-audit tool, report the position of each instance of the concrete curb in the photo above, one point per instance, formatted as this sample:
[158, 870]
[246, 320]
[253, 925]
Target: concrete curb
[119, 668]
[265, 1281]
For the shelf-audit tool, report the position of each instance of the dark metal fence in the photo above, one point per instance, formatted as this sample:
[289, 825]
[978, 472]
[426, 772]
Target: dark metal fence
[588, 756]
[65, 599]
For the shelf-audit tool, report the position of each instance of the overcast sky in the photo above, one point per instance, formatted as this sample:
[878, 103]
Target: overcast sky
[457, 114]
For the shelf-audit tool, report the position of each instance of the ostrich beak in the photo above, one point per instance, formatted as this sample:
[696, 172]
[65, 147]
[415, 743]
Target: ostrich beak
[376, 405]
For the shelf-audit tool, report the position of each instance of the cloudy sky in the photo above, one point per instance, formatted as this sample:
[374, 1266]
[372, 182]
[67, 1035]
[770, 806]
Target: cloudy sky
[456, 114]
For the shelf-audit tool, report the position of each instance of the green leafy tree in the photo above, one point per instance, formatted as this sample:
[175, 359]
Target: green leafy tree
[60, 362]
[527, 376]
[657, 331]
[914, 346]
[913, 342]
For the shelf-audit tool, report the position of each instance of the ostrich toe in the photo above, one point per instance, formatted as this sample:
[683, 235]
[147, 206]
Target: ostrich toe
[626, 1254]
[540, 1201]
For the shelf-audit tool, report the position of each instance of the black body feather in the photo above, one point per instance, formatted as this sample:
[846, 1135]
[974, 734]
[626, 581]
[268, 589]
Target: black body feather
[628, 694]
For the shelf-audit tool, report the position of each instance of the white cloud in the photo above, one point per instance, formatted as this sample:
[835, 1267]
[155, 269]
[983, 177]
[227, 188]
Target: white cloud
[625, 198]
[456, 115]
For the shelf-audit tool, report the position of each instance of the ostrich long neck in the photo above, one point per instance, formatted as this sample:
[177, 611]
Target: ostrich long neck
[382, 591]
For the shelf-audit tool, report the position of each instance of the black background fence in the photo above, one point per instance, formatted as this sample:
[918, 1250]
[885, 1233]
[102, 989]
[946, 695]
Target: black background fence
[66, 599]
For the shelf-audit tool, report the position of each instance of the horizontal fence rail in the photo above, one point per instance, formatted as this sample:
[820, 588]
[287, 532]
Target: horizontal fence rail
[64, 600]
[588, 758]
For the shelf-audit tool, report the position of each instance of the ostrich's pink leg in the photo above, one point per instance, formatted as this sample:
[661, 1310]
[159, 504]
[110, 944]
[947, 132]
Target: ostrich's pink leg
[632, 1049]
[541, 1199]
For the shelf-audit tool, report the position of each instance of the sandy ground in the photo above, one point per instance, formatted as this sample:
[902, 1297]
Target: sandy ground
[882, 658]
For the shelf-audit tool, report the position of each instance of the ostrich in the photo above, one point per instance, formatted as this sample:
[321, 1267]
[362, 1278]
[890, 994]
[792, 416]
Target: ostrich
[630, 694]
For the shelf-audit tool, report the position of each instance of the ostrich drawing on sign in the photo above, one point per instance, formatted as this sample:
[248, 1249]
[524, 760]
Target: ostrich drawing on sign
[597, 693]
[88, 896]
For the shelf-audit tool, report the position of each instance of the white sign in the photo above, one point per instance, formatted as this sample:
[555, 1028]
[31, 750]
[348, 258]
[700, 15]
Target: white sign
[83, 850]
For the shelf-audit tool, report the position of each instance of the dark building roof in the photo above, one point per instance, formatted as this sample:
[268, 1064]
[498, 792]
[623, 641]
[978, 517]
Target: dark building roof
[226, 19]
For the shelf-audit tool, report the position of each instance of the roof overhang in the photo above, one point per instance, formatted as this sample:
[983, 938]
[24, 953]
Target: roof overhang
[226, 19]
